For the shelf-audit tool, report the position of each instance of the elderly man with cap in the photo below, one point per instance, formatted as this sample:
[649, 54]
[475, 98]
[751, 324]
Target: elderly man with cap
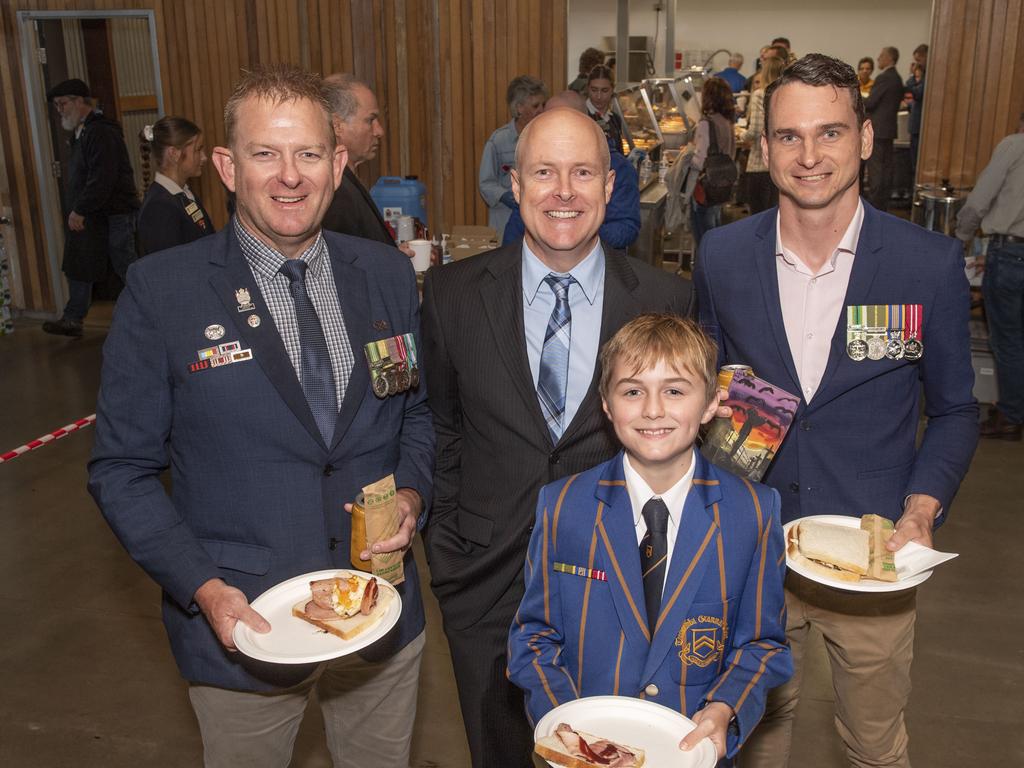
[99, 198]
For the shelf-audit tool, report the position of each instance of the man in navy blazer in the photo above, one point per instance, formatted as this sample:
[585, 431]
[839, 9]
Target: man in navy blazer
[774, 289]
[259, 483]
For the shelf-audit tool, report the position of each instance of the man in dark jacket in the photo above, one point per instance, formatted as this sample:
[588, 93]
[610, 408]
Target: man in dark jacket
[359, 130]
[882, 104]
[99, 198]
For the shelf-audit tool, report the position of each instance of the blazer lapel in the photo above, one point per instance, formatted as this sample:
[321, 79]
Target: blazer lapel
[620, 305]
[764, 261]
[621, 554]
[691, 554]
[503, 303]
[353, 297]
[865, 267]
[264, 339]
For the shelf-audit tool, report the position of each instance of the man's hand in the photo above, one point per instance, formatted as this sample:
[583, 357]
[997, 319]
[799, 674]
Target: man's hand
[916, 523]
[225, 606]
[713, 723]
[409, 506]
[76, 222]
[406, 249]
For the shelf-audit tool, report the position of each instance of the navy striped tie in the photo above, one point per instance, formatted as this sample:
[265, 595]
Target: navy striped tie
[554, 357]
[317, 373]
[654, 557]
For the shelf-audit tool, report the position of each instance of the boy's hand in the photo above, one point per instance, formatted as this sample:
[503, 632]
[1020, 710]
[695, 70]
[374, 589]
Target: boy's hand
[724, 411]
[713, 723]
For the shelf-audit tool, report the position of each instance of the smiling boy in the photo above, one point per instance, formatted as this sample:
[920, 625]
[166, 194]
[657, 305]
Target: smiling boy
[655, 574]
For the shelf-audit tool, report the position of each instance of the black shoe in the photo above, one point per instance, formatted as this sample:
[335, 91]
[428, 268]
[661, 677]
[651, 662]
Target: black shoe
[63, 327]
[998, 427]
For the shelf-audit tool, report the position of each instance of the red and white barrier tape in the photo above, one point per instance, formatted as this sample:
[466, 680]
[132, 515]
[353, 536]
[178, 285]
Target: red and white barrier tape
[57, 434]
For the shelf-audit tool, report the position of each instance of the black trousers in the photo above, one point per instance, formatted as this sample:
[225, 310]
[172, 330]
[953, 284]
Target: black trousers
[880, 173]
[498, 732]
[762, 193]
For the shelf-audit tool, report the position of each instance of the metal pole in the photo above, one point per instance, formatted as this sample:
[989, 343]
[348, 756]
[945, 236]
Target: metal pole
[622, 43]
[670, 38]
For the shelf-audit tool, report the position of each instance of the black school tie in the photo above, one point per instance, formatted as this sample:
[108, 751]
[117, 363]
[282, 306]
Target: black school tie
[653, 557]
[317, 373]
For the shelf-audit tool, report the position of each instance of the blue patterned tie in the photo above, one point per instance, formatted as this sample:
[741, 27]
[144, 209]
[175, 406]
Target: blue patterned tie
[317, 373]
[554, 357]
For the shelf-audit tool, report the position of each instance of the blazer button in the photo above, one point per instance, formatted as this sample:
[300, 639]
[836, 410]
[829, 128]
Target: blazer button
[794, 487]
[554, 458]
[805, 425]
[328, 470]
[651, 690]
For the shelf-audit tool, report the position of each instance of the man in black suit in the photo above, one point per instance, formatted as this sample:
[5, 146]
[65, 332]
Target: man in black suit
[511, 339]
[882, 104]
[358, 128]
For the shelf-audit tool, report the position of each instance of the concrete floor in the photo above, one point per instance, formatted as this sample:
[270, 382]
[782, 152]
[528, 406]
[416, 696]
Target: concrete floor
[89, 680]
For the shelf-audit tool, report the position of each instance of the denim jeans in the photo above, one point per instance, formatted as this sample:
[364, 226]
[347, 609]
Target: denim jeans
[79, 299]
[702, 219]
[1003, 287]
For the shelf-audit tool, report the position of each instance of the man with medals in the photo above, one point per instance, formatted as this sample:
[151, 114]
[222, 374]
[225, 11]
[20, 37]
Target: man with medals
[852, 449]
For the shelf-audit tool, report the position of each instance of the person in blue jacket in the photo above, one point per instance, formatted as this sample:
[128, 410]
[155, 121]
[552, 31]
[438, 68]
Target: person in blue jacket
[622, 216]
[655, 574]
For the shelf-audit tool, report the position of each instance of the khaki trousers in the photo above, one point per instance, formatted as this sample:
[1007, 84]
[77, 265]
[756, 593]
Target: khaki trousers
[869, 639]
[368, 711]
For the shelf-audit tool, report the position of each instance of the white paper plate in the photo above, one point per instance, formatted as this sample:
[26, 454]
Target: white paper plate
[914, 563]
[294, 641]
[655, 729]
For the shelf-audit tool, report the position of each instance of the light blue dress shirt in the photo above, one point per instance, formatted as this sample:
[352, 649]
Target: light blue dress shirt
[586, 302]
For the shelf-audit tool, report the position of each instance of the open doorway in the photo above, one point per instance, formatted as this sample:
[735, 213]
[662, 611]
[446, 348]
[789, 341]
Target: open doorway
[115, 52]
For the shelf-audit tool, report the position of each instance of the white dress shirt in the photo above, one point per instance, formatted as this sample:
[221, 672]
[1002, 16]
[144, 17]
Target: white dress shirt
[812, 303]
[172, 186]
[640, 493]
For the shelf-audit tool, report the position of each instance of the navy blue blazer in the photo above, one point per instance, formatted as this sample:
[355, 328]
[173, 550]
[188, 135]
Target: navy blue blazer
[256, 497]
[852, 450]
[721, 633]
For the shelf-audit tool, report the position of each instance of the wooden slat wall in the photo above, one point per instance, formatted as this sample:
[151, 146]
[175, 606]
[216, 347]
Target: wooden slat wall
[439, 68]
[974, 91]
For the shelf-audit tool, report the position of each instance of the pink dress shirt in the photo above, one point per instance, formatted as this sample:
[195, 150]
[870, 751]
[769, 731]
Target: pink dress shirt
[812, 304]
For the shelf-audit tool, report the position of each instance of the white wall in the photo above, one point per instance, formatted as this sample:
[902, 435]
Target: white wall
[848, 29]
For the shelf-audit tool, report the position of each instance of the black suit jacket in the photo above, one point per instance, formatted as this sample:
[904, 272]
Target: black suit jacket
[494, 451]
[163, 222]
[883, 103]
[353, 212]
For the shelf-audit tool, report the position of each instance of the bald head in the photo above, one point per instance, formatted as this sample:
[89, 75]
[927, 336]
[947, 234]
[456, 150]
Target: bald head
[559, 122]
[562, 183]
[567, 100]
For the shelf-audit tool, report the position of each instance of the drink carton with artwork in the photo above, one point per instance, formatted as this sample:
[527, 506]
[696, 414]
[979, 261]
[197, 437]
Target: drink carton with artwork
[746, 443]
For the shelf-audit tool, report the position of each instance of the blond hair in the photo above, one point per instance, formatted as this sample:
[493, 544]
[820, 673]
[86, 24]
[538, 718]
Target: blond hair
[649, 339]
[278, 83]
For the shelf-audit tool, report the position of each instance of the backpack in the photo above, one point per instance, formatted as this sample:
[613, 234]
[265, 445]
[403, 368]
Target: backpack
[719, 172]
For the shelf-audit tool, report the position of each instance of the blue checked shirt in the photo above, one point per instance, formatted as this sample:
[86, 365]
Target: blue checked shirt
[265, 264]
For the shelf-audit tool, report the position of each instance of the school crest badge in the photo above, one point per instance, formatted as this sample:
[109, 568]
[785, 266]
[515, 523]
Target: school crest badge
[701, 640]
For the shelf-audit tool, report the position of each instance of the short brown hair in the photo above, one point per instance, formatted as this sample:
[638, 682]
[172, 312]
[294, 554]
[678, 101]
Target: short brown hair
[278, 83]
[589, 59]
[716, 98]
[649, 339]
[818, 70]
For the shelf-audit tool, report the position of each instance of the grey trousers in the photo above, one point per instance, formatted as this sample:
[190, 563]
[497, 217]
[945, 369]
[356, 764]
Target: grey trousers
[368, 711]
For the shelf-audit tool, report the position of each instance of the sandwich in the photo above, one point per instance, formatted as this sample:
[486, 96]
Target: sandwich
[833, 551]
[345, 605]
[576, 749]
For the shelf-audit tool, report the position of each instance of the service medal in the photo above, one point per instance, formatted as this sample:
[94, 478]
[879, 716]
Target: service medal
[857, 349]
[894, 348]
[913, 349]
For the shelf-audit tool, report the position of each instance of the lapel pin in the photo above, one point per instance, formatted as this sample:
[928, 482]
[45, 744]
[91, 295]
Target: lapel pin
[254, 321]
[380, 325]
[244, 301]
[214, 332]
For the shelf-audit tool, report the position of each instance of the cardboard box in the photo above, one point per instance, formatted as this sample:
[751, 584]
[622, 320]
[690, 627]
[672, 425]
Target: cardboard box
[466, 241]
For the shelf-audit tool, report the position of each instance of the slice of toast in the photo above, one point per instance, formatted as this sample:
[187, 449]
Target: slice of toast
[552, 749]
[348, 628]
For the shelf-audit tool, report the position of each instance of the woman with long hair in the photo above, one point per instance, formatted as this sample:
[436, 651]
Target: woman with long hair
[171, 213]
[600, 91]
[718, 112]
[761, 192]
